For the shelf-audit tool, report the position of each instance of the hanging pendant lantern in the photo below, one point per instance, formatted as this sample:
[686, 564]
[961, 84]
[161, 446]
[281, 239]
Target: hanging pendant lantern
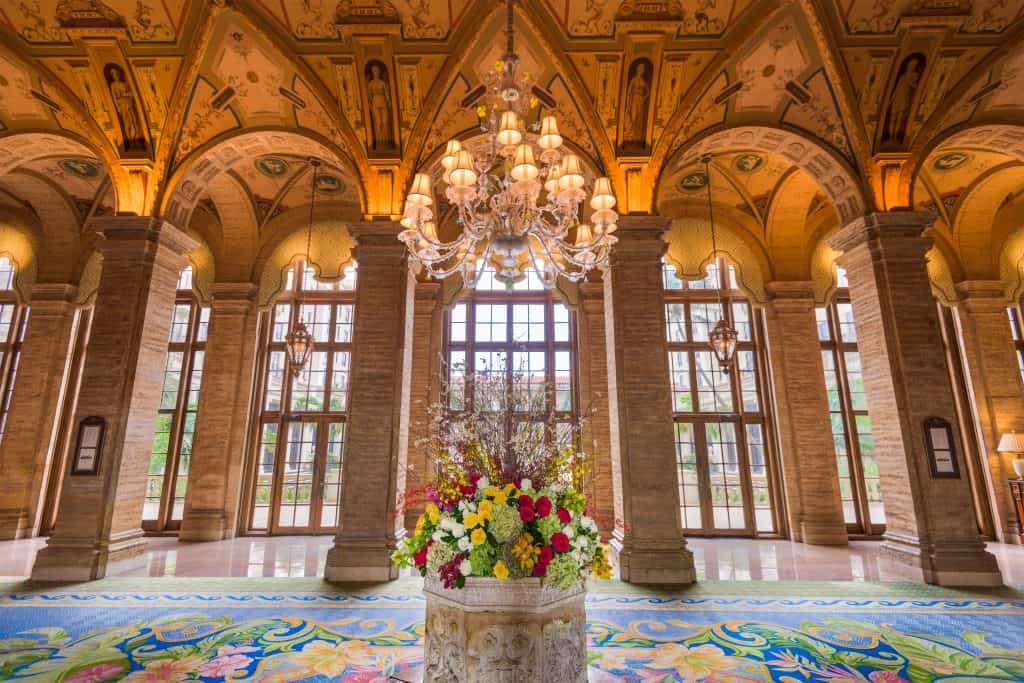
[723, 340]
[298, 346]
[723, 337]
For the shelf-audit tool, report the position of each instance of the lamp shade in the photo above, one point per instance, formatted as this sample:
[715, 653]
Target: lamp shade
[463, 174]
[583, 234]
[1011, 442]
[554, 173]
[508, 129]
[572, 173]
[524, 167]
[603, 197]
[451, 151]
[549, 137]
[419, 193]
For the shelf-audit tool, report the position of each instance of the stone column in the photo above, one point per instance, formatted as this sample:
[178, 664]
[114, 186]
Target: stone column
[374, 467]
[809, 472]
[26, 454]
[99, 516]
[215, 472]
[648, 541]
[930, 522]
[426, 345]
[593, 382]
[995, 389]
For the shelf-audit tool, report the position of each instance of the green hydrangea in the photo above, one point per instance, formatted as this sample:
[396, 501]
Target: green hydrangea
[439, 554]
[563, 571]
[505, 524]
[549, 526]
[482, 558]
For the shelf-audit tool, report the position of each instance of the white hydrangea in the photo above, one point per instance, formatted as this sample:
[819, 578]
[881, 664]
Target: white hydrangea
[482, 483]
[588, 523]
[438, 535]
[580, 542]
[568, 531]
[466, 567]
[458, 530]
[465, 544]
[526, 484]
[446, 522]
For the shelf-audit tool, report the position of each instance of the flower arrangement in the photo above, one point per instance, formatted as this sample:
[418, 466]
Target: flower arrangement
[505, 502]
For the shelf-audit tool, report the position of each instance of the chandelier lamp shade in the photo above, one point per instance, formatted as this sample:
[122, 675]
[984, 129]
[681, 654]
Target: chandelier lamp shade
[723, 336]
[298, 344]
[517, 195]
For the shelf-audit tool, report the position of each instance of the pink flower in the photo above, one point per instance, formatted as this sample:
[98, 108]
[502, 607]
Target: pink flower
[563, 515]
[526, 513]
[560, 542]
[543, 506]
[886, 677]
[96, 673]
[222, 667]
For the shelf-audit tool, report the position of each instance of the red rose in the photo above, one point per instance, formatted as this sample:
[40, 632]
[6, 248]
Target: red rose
[526, 513]
[560, 542]
[467, 490]
[563, 515]
[540, 569]
[420, 558]
[525, 500]
[545, 555]
[474, 478]
[543, 506]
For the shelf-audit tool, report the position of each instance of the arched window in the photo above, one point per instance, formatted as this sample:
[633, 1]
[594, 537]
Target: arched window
[859, 482]
[13, 317]
[720, 427]
[303, 418]
[176, 418]
[524, 331]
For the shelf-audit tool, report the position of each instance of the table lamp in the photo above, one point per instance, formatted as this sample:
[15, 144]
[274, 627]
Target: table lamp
[1012, 442]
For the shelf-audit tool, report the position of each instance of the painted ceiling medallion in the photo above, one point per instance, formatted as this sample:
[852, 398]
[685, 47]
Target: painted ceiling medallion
[271, 166]
[79, 167]
[693, 181]
[748, 163]
[951, 160]
[328, 184]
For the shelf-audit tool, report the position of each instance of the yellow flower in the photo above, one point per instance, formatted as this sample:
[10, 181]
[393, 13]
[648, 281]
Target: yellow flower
[525, 551]
[500, 498]
[478, 536]
[419, 525]
[500, 570]
[491, 491]
[433, 513]
[470, 520]
[510, 490]
[484, 509]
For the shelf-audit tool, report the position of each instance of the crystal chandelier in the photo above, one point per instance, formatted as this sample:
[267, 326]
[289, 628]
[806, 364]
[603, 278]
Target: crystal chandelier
[298, 344]
[723, 337]
[516, 195]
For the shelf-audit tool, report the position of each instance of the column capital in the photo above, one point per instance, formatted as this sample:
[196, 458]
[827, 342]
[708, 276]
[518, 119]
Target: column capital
[376, 239]
[790, 295]
[233, 297]
[53, 295]
[116, 232]
[882, 225]
[643, 226]
[427, 295]
[982, 296]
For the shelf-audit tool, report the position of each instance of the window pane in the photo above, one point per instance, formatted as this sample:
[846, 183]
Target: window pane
[563, 381]
[457, 331]
[561, 323]
[172, 380]
[689, 479]
[703, 318]
[204, 324]
[309, 385]
[6, 273]
[760, 490]
[679, 371]
[339, 381]
[179, 323]
[714, 394]
[528, 323]
[748, 380]
[529, 366]
[724, 473]
[317, 318]
[6, 317]
[675, 322]
[669, 280]
[847, 328]
[841, 280]
[343, 323]
[821, 317]
[282, 322]
[491, 322]
[741, 320]
[858, 399]
[457, 380]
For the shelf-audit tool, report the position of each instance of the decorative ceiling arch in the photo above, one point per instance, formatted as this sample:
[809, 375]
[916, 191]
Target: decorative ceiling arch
[833, 175]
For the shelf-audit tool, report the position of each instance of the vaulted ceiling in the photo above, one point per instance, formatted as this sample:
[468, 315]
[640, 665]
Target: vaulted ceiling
[207, 111]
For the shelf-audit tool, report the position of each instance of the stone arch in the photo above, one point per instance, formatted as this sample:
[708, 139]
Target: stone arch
[837, 180]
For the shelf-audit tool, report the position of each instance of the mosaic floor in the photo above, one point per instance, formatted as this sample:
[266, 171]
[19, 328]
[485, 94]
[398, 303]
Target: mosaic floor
[276, 630]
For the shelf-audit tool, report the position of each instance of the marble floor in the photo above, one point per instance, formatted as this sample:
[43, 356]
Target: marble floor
[721, 559]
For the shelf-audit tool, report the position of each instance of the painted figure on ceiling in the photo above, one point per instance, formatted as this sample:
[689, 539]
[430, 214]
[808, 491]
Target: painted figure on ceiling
[638, 99]
[378, 96]
[124, 104]
[901, 100]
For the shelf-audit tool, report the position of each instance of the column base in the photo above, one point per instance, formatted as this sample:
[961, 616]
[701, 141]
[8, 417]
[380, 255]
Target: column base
[361, 560]
[653, 562]
[15, 524]
[201, 526]
[88, 559]
[823, 533]
[950, 564]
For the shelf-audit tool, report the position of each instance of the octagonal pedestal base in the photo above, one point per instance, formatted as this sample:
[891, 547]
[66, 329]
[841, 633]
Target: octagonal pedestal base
[495, 631]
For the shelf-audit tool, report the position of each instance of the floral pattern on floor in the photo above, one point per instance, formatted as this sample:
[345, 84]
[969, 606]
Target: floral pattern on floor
[82, 636]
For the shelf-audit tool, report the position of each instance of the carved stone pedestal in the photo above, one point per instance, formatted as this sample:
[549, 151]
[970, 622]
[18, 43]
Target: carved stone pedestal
[509, 631]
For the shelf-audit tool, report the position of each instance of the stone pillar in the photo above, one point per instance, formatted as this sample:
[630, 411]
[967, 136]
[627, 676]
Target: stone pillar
[593, 382]
[995, 389]
[374, 468]
[930, 523]
[809, 472]
[215, 472]
[99, 516]
[27, 452]
[426, 345]
[648, 538]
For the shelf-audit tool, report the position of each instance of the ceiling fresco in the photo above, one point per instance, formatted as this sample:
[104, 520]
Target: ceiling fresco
[188, 108]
